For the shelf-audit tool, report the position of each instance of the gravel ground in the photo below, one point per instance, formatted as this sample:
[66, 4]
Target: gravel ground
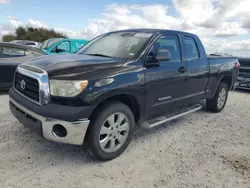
[199, 150]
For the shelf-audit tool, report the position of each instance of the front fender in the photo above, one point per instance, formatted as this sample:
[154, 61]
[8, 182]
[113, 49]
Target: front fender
[130, 83]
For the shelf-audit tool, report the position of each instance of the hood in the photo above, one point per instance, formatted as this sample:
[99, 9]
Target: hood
[73, 63]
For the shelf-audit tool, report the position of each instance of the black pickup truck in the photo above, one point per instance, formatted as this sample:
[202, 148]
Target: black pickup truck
[118, 80]
[243, 80]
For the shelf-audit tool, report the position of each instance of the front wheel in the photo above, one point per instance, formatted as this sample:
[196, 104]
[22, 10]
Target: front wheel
[218, 102]
[111, 130]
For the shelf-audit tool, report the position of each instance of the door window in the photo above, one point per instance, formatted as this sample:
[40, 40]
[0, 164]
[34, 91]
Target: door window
[9, 52]
[170, 43]
[191, 48]
[75, 45]
[64, 47]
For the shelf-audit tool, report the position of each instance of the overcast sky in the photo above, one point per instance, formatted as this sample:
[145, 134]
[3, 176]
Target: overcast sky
[222, 25]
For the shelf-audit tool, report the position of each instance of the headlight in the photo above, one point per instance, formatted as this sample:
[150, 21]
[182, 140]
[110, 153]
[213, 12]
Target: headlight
[67, 88]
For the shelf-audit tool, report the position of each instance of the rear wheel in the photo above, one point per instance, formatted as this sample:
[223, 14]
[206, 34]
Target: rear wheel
[110, 131]
[218, 102]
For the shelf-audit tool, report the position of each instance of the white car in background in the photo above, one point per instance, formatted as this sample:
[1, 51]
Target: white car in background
[26, 42]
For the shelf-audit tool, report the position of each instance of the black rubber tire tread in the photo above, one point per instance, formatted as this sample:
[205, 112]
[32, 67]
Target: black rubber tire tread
[212, 103]
[97, 120]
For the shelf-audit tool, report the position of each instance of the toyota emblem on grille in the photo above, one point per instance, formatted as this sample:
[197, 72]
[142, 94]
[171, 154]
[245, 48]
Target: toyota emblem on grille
[23, 85]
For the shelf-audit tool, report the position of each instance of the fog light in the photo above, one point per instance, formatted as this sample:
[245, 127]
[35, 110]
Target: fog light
[59, 131]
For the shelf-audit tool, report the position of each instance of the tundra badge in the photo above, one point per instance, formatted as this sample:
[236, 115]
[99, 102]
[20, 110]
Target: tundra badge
[164, 98]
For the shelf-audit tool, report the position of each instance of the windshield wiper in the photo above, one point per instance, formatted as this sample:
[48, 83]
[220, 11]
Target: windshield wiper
[101, 55]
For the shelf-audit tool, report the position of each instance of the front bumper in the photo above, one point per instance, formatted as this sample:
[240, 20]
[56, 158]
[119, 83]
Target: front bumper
[45, 126]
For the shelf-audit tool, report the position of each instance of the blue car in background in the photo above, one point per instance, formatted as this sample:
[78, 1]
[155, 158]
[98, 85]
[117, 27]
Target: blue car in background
[61, 45]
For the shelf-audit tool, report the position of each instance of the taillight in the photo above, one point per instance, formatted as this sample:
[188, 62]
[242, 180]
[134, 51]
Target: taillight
[237, 64]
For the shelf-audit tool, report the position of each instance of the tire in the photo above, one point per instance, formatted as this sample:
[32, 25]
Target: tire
[213, 104]
[102, 130]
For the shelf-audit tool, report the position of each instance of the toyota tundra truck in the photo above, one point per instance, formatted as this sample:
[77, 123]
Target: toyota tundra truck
[117, 81]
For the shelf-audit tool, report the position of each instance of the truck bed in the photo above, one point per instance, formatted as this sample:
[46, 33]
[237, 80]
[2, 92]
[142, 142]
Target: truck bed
[219, 57]
[217, 65]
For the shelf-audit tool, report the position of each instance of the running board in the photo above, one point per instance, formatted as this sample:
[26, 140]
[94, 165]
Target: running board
[163, 119]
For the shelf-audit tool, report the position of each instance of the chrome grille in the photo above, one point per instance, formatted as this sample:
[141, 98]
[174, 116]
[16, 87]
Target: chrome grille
[32, 85]
[31, 88]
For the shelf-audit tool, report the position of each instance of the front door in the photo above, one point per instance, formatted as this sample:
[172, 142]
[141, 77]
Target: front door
[62, 48]
[166, 84]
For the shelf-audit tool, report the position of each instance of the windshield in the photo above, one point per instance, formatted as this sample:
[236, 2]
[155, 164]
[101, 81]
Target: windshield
[48, 43]
[124, 45]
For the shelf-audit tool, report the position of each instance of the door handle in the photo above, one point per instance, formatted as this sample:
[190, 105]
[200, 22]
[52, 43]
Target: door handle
[182, 69]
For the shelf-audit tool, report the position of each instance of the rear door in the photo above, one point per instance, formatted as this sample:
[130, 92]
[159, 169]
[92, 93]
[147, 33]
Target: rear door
[166, 84]
[198, 67]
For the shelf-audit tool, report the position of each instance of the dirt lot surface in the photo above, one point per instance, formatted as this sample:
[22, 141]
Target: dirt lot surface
[199, 150]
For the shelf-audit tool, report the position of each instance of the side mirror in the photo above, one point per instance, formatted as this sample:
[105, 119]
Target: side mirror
[163, 55]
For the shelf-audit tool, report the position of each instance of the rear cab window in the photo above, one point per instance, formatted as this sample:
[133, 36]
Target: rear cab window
[191, 48]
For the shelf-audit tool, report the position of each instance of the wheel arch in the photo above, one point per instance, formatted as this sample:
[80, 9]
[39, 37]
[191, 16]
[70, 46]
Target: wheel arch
[226, 79]
[132, 101]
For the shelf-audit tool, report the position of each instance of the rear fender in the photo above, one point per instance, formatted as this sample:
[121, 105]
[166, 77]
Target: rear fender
[225, 78]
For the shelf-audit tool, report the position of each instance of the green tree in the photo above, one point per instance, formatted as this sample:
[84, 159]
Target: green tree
[34, 34]
[20, 33]
[9, 37]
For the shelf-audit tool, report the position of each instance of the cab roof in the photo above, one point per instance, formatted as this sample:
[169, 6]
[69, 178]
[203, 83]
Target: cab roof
[155, 31]
[72, 39]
